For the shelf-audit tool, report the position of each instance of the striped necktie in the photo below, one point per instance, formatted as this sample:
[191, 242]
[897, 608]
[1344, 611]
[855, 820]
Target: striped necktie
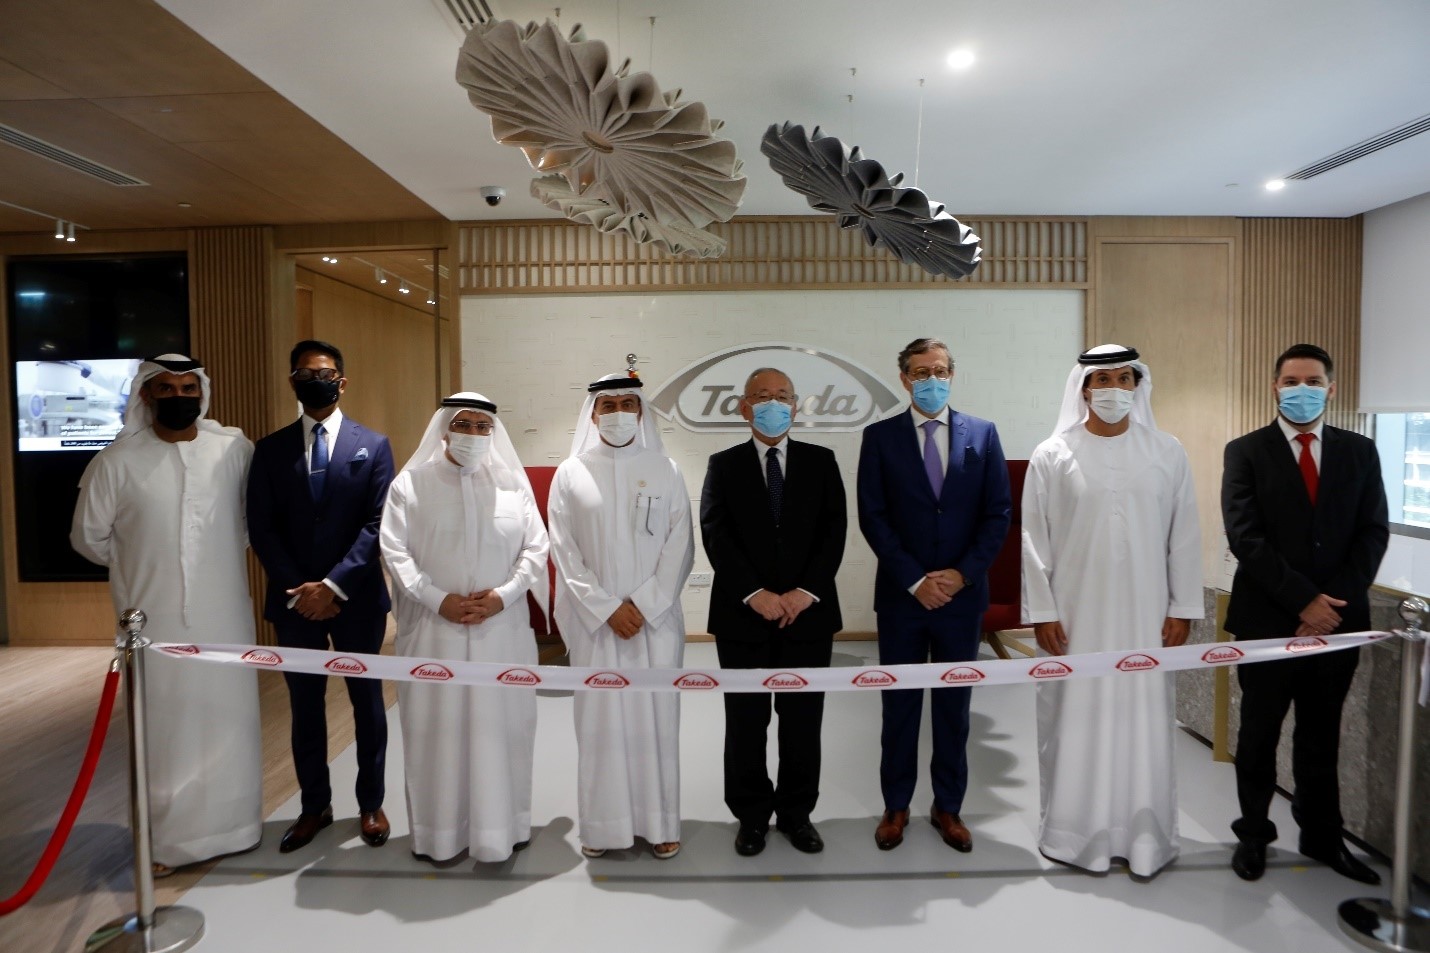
[318, 471]
[775, 479]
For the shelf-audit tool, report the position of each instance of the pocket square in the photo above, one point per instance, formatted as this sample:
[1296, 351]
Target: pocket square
[361, 454]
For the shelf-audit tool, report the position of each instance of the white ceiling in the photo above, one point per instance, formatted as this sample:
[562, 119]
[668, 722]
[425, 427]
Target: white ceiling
[1100, 107]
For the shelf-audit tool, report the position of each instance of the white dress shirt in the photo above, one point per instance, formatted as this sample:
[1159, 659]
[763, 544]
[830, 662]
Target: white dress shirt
[1292, 433]
[330, 436]
[782, 455]
[940, 442]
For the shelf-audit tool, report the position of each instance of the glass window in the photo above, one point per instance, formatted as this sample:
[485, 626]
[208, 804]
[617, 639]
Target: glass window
[1404, 444]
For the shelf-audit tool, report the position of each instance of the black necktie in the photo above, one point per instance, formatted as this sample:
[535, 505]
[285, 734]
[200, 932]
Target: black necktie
[775, 479]
[318, 472]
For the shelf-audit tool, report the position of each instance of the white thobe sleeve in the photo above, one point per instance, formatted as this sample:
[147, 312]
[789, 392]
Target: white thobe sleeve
[658, 593]
[531, 560]
[1184, 548]
[397, 551]
[1038, 602]
[596, 604]
[92, 530]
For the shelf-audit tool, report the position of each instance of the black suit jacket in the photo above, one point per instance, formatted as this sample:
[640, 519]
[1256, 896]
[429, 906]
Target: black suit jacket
[1289, 551]
[749, 552]
[298, 540]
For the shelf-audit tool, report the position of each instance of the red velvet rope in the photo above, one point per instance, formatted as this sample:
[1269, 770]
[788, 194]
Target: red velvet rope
[71, 811]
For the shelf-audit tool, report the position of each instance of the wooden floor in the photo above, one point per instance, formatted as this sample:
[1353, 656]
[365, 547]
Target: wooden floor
[48, 699]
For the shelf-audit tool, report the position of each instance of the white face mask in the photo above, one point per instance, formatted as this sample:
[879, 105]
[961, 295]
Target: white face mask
[618, 428]
[1111, 404]
[468, 449]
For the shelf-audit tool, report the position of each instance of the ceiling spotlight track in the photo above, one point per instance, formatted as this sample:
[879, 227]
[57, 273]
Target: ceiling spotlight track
[60, 223]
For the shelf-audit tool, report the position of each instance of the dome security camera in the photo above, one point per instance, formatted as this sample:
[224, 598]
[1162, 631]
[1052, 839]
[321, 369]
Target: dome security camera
[493, 194]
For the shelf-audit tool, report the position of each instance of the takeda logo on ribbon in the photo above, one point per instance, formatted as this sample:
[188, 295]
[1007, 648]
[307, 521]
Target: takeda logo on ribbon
[1222, 654]
[696, 681]
[519, 676]
[182, 649]
[1050, 669]
[873, 679]
[785, 681]
[1137, 663]
[262, 657]
[432, 672]
[608, 680]
[835, 392]
[962, 675]
[346, 665]
[1308, 644]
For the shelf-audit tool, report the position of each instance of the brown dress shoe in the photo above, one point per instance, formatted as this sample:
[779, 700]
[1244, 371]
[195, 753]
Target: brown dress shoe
[890, 832]
[304, 829]
[374, 827]
[951, 829]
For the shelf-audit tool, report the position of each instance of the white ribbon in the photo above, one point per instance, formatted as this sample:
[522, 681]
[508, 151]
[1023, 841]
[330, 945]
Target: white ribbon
[841, 679]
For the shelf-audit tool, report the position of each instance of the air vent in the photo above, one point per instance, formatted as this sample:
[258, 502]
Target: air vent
[48, 150]
[465, 13]
[1373, 144]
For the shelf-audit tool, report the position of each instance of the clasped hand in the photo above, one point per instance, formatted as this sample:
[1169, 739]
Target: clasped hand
[1320, 616]
[782, 609]
[316, 602]
[627, 620]
[472, 609]
[939, 587]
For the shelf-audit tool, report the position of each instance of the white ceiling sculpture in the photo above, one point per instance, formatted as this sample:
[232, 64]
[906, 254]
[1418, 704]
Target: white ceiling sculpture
[612, 135]
[678, 238]
[837, 179]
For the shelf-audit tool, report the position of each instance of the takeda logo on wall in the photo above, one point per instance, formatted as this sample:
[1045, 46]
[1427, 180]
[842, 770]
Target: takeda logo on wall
[835, 392]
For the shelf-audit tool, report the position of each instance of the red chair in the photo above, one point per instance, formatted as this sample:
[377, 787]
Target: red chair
[542, 621]
[1005, 576]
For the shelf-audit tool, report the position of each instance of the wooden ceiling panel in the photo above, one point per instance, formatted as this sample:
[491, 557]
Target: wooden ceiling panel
[218, 117]
[115, 48]
[16, 83]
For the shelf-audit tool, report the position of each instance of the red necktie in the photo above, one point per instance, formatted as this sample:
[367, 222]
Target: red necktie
[1308, 465]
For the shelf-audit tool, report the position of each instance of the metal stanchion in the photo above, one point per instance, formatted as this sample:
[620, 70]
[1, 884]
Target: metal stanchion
[149, 930]
[1395, 926]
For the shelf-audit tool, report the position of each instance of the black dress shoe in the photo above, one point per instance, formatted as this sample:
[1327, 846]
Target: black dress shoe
[374, 827]
[304, 829]
[1249, 861]
[803, 836]
[750, 840]
[1344, 863]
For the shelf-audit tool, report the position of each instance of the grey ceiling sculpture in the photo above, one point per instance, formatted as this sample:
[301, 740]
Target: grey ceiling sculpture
[837, 179]
[634, 158]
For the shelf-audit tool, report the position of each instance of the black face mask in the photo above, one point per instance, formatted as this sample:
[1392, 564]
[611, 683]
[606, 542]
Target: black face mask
[317, 394]
[176, 413]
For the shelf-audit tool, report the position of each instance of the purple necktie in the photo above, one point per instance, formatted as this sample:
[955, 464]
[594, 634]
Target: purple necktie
[933, 466]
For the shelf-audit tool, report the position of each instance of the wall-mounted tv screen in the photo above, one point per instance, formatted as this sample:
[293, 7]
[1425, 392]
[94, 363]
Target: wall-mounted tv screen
[78, 328]
[71, 405]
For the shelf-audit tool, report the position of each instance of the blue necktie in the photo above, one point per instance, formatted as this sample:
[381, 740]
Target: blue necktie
[318, 472]
[933, 466]
[775, 479]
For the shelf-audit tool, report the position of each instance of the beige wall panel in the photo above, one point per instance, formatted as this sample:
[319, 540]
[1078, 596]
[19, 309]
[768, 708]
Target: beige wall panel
[389, 356]
[1301, 284]
[1173, 301]
[325, 237]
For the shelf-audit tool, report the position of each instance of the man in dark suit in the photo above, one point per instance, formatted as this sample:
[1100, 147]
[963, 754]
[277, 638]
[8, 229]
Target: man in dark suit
[772, 516]
[315, 495]
[934, 504]
[1305, 516]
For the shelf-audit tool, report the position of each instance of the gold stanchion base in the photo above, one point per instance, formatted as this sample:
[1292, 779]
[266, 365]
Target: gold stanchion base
[173, 929]
[1372, 922]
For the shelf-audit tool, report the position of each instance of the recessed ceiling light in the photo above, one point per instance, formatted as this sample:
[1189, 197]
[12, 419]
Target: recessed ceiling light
[961, 58]
[1275, 185]
[185, 205]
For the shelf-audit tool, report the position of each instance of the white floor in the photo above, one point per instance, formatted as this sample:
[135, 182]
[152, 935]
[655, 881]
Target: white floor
[339, 894]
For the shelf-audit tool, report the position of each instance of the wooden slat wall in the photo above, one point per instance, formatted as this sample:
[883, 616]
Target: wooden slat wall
[228, 272]
[546, 257]
[1300, 283]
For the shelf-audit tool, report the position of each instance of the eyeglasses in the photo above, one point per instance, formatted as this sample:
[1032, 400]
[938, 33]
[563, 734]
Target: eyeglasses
[479, 427]
[305, 374]
[784, 397]
[924, 373]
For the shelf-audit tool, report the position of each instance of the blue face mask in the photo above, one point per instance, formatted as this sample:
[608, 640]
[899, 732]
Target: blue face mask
[772, 418]
[931, 395]
[1302, 403]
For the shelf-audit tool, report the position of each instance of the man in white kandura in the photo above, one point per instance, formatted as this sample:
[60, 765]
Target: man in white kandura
[162, 507]
[1111, 562]
[621, 538]
[463, 542]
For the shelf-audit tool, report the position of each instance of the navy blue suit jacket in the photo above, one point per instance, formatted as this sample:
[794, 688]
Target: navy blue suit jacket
[298, 540]
[911, 531]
